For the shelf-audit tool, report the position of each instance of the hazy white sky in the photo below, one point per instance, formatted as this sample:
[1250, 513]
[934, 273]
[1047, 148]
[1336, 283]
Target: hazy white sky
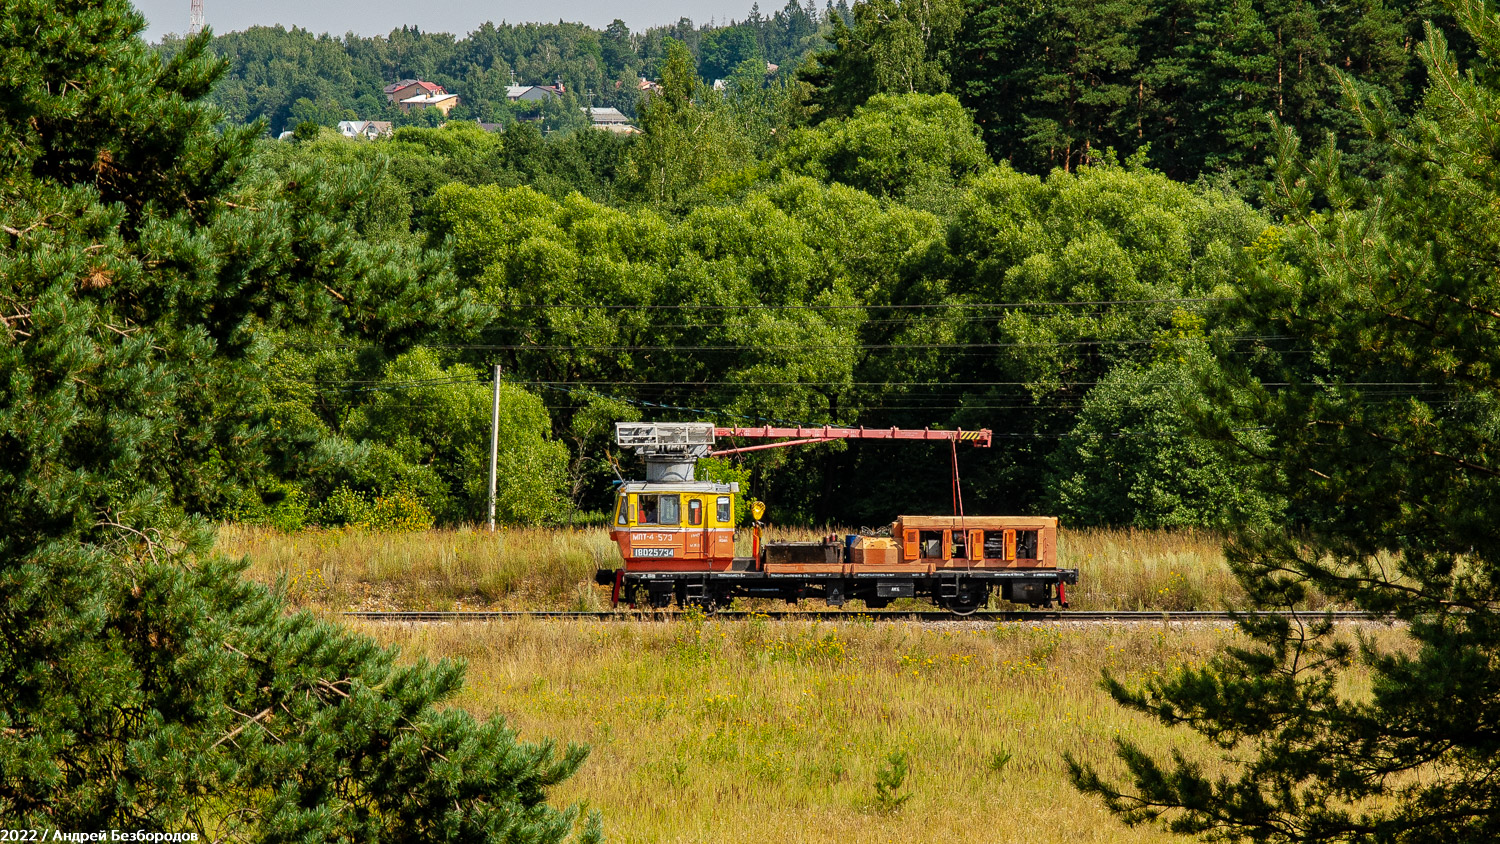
[377, 17]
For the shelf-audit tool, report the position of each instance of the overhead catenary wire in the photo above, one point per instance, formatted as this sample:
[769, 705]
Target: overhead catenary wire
[728, 321]
[374, 386]
[551, 306]
[693, 410]
[877, 407]
[741, 347]
[908, 396]
[1158, 434]
[924, 387]
[795, 347]
[1039, 382]
[1409, 388]
[909, 321]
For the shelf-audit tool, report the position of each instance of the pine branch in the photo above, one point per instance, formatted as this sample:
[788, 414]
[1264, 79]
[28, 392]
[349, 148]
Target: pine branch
[253, 719]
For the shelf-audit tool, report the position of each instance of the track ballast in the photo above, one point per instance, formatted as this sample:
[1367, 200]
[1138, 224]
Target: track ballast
[1040, 616]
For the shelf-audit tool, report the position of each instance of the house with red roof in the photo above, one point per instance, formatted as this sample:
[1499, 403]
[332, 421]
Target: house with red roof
[399, 92]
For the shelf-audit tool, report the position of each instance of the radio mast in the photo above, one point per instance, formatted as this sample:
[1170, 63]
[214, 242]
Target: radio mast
[195, 18]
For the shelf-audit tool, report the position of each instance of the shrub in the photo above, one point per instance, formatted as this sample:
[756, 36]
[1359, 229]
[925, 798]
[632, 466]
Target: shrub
[400, 511]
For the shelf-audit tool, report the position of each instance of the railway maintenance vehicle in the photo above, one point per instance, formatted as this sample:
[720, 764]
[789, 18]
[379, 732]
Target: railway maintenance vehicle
[676, 536]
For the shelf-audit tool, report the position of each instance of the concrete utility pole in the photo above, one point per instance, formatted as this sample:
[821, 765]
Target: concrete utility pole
[494, 445]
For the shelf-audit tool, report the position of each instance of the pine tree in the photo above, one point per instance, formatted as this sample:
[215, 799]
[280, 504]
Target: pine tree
[1053, 84]
[889, 48]
[145, 684]
[1384, 440]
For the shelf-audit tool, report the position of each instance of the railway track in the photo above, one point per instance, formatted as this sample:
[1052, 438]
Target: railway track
[1040, 616]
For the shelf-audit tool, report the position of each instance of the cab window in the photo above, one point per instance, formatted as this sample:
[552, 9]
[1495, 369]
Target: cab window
[994, 544]
[932, 544]
[695, 511]
[1001, 544]
[725, 514]
[1026, 544]
[660, 510]
[624, 510]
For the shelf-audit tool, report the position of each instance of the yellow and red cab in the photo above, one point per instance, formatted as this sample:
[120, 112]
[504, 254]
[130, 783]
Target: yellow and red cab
[675, 526]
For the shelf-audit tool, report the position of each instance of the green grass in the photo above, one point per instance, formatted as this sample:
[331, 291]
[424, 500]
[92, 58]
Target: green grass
[767, 731]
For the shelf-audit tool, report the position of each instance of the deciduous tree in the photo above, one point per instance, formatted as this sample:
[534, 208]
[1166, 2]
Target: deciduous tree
[916, 148]
[686, 139]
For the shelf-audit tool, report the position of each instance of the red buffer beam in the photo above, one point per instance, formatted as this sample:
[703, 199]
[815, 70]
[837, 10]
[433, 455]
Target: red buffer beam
[801, 435]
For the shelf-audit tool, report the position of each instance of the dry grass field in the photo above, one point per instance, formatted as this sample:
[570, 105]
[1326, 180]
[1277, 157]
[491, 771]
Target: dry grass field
[765, 731]
[539, 568]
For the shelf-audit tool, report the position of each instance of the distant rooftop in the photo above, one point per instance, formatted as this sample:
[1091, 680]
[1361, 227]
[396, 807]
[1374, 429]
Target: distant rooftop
[606, 115]
[364, 128]
[532, 92]
[428, 99]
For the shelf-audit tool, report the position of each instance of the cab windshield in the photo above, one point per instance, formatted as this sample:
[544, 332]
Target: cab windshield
[660, 510]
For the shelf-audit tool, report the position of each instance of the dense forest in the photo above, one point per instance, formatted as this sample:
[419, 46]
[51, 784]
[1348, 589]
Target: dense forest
[1191, 83]
[916, 221]
[287, 77]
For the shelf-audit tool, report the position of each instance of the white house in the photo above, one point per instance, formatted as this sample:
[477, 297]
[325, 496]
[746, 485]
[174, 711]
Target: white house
[368, 129]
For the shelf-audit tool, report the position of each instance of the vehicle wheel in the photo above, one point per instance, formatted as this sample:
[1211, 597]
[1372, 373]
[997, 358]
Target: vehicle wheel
[967, 602]
[964, 606]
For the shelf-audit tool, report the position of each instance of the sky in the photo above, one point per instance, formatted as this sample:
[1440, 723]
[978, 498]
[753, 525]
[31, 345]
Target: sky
[378, 17]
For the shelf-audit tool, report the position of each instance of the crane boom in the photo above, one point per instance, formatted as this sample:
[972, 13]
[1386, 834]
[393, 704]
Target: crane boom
[671, 449]
[691, 440]
[800, 435]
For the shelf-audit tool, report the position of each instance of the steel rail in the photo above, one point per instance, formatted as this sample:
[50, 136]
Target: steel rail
[845, 615]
